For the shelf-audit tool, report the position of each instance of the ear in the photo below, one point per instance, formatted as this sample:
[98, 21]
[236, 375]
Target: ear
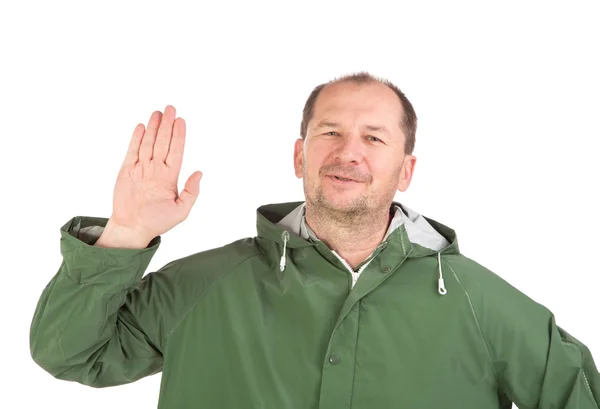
[298, 158]
[406, 172]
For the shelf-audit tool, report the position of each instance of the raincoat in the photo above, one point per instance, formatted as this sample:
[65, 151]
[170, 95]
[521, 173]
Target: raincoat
[281, 321]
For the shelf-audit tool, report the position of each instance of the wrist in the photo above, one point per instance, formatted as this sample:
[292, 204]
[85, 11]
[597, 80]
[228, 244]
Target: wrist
[115, 236]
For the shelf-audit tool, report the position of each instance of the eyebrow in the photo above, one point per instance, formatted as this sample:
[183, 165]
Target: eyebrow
[372, 128]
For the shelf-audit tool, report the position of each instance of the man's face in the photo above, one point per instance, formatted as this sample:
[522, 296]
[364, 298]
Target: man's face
[354, 134]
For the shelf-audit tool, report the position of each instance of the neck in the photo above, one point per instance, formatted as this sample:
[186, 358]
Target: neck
[353, 236]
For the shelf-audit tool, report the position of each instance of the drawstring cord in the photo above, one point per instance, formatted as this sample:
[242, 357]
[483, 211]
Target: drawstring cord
[441, 285]
[285, 236]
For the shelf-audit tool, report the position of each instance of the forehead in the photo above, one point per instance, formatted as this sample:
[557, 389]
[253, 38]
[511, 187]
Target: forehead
[350, 104]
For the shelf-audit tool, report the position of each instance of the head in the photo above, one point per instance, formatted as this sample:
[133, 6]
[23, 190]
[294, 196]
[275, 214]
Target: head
[360, 129]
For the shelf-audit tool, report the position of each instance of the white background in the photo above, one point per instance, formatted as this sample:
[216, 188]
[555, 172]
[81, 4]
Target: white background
[507, 95]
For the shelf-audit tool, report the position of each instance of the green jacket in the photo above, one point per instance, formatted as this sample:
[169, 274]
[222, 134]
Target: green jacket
[276, 321]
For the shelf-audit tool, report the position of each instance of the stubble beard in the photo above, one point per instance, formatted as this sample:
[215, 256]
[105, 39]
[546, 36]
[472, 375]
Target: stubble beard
[359, 213]
[356, 211]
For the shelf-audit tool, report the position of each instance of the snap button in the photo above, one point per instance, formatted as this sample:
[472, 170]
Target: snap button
[386, 269]
[334, 359]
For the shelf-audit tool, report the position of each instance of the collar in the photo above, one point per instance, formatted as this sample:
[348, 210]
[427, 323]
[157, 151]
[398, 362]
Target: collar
[419, 230]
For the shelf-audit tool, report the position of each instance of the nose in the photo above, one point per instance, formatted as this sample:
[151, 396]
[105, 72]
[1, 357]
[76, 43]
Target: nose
[349, 149]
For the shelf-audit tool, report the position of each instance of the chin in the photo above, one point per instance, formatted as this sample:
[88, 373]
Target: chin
[345, 202]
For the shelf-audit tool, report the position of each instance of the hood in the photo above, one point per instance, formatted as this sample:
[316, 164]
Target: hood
[419, 231]
[411, 234]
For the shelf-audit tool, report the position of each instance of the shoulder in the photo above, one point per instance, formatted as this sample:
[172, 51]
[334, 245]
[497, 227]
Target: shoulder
[490, 293]
[163, 298]
[180, 284]
[511, 322]
[196, 272]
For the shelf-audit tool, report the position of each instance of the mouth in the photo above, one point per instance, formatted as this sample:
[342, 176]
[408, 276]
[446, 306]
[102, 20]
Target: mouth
[342, 179]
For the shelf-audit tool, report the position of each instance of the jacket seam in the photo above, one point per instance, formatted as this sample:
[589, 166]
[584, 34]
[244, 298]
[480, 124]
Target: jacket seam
[589, 389]
[487, 347]
[206, 290]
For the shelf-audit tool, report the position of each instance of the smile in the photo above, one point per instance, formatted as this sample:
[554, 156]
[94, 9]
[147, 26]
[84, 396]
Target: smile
[339, 179]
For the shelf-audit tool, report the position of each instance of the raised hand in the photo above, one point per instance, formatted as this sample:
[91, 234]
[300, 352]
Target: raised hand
[146, 201]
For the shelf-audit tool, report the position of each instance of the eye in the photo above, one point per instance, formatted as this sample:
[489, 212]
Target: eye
[332, 132]
[374, 139]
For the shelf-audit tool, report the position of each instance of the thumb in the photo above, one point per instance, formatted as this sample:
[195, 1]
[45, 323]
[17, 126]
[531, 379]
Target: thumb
[190, 192]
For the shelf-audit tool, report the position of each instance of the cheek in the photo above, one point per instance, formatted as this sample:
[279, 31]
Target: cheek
[385, 171]
[314, 160]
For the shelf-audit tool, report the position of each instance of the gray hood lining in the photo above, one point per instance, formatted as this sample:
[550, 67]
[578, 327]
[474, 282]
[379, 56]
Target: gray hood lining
[418, 229]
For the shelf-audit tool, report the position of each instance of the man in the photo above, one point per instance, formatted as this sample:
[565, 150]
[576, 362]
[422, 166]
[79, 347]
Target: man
[346, 300]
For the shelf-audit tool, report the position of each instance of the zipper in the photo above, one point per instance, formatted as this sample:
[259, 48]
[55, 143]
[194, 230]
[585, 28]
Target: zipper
[354, 275]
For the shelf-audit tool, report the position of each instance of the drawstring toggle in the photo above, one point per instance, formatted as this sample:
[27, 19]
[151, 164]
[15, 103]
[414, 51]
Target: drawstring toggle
[441, 285]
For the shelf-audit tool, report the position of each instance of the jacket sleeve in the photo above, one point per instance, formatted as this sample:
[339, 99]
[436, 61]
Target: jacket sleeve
[97, 321]
[537, 363]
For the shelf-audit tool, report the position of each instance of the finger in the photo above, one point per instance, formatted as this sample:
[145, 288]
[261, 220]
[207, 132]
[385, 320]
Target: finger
[134, 146]
[189, 194]
[163, 138]
[175, 155]
[149, 136]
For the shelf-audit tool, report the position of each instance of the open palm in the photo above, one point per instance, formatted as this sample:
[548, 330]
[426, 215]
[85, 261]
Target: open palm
[146, 199]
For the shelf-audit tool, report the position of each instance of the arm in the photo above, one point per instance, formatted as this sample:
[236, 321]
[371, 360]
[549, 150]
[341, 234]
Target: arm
[97, 322]
[537, 363]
